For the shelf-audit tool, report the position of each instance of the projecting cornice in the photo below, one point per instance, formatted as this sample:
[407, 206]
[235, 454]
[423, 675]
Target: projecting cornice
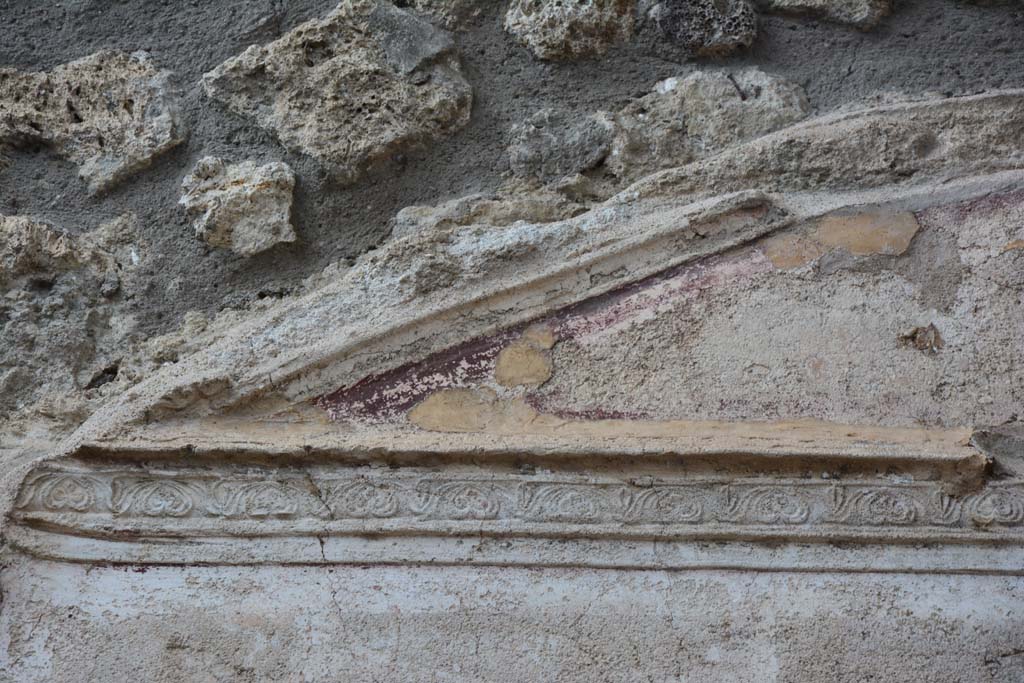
[699, 495]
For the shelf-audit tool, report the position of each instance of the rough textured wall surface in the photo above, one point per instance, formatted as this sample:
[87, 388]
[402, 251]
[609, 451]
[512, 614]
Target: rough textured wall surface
[512, 340]
[510, 625]
[949, 48]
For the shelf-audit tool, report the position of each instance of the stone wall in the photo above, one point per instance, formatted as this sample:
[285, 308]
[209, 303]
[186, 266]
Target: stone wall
[519, 340]
[189, 99]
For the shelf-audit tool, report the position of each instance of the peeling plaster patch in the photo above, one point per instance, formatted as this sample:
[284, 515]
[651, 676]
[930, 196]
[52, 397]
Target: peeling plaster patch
[482, 410]
[471, 411]
[868, 233]
[387, 396]
[543, 336]
[522, 364]
[989, 236]
[826, 342]
[862, 234]
[554, 404]
[788, 250]
[454, 410]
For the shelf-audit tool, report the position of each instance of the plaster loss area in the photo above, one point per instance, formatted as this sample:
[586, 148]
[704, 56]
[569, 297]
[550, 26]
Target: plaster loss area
[526, 340]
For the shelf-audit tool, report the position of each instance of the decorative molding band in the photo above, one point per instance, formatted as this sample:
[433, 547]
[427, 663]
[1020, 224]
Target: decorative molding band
[165, 516]
[129, 494]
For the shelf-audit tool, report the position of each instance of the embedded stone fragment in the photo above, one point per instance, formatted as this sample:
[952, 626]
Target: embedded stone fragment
[566, 29]
[650, 132]
[681, 121]
[722, 109]
[451, 14]
[31, 247]
[498, 210]
[699, 115]
[110, 113]
[863, 14]
[707, 28]
[243, 207]
[62, 326]
[925, 339]
[351, 90]
[556, 143]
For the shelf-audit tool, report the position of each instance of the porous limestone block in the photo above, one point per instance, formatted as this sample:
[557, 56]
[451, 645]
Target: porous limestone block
[28, 246]
[110, 113]
[554, 143]
[680, 121]
[724, 108]
[567, 29]
[353, 89]
[702, 114]
[707, 28]
[243, 207]
[63, 327]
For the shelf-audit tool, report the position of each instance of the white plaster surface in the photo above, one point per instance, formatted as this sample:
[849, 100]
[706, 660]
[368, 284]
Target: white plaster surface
[65, 622]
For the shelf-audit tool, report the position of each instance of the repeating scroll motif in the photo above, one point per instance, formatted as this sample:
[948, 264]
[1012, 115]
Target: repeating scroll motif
[875, 507]
[459, 500]
[766, 505]
[567, 503]
[998, 506]
[262, 499]
[60, 493]
[666, 504]
[153, 497]
[361, 499]
[523, 499]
